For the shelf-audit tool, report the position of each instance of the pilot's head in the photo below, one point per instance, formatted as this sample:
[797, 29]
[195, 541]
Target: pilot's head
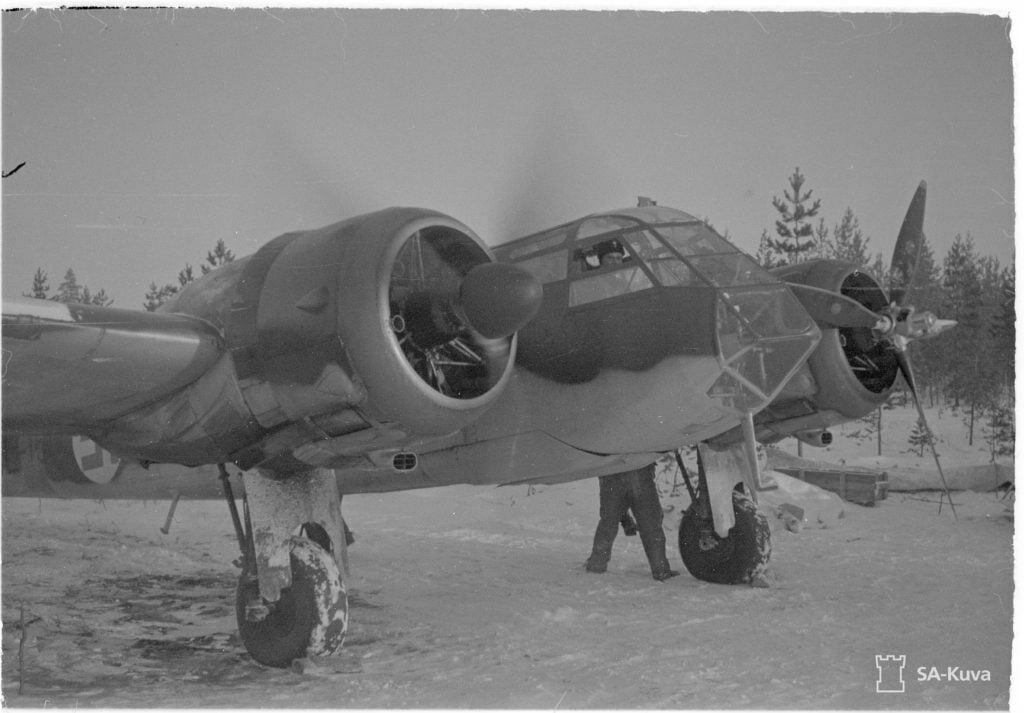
[612, 258]
[612, 253]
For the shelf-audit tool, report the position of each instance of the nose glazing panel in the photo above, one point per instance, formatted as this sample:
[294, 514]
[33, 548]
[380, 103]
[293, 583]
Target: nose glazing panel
[764, 335]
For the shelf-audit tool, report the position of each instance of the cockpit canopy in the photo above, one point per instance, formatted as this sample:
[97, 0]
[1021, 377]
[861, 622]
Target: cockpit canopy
[635, 249]
[762, 332]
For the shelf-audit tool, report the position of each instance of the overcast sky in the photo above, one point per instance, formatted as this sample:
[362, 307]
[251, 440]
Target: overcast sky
[150, 134]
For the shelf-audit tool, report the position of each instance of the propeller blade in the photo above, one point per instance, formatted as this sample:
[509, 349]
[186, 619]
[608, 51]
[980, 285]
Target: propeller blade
[903, 361]
[499, 299]
[907, 253]
[908, 374]
[833, 310]
[555, 144]
[314, 182]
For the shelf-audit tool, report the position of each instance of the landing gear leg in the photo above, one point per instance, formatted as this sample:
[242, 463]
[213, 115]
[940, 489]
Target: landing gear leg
[723, 537]
[291, 601]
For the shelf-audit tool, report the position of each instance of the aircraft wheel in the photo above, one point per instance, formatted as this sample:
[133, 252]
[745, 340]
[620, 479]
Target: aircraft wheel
[735, 559]
[309, 619]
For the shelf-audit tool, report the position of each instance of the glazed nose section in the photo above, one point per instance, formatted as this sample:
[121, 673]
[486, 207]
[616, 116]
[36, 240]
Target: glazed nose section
[764, 335]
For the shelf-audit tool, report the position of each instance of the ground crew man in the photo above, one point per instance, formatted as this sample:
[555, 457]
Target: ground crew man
[633, 490]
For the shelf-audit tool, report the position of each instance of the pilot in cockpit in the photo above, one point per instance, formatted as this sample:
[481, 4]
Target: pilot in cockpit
[609, 253]
[590, 260]
[614, 255]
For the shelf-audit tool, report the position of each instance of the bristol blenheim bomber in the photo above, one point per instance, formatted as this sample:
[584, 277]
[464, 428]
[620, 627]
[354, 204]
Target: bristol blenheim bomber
[394, 350]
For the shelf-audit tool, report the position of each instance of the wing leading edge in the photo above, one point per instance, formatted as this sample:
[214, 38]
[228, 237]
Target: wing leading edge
[69, 366]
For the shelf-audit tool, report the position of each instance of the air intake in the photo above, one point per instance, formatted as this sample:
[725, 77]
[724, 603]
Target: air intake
[403, 462]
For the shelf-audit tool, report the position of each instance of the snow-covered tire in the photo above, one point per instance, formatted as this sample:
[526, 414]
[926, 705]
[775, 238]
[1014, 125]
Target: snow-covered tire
[310, 618]
[738, 558]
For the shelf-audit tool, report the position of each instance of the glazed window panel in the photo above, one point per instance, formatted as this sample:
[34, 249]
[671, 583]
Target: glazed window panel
[607, 285]
[770, 311]
[605, 224]
[646, 246]
[534, 245]
[546, 268]
[668, 269]
[663, 214]
[694, 239]
[733, 269]
[672, 272]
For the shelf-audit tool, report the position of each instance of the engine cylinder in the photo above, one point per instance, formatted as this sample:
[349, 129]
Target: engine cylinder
[396, 257]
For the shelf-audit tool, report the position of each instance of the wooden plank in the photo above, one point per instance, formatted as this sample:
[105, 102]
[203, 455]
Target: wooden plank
[861, 487]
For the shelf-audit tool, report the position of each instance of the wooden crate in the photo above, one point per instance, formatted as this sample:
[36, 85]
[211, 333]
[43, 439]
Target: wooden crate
[861, 486]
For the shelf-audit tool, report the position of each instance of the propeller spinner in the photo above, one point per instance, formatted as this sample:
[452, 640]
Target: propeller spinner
[454, 313]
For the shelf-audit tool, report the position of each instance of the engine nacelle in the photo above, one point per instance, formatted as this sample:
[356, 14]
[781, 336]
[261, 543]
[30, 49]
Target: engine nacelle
[356, 327]
[849, 374]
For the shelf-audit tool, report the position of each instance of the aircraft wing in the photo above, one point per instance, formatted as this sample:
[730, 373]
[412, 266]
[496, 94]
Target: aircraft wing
[68, 366]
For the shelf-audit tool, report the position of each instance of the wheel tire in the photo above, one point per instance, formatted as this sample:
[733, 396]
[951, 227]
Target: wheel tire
[735, 559]
[310, 618]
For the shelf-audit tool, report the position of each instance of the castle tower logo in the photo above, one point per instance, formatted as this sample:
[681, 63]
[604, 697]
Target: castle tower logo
[890, 673]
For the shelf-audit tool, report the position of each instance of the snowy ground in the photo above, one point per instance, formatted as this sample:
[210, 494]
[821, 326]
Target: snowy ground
[476, 597]
[856, 444]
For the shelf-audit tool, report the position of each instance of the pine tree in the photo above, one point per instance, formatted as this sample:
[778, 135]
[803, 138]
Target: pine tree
[1003, 332]
[793, 225]
[920, 437]
[928, 355]
[878, 269]
[848, 241]
[40, 286]
[962, 301]
[926, 292]
[156, 296]
[995, 336]
[999, 431]
[217, 257]
[69, 290]
[823, 243]
[100, 298]
[766, 257]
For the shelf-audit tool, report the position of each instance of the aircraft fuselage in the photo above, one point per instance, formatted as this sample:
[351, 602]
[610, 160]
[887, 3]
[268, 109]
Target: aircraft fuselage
[653, 332]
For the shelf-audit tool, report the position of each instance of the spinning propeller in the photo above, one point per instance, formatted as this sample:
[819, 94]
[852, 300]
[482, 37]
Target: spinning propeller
[452, 310]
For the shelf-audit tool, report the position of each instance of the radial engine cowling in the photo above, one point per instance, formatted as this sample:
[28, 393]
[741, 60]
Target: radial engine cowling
[428, 320]
[851, 372]
[398, 319]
